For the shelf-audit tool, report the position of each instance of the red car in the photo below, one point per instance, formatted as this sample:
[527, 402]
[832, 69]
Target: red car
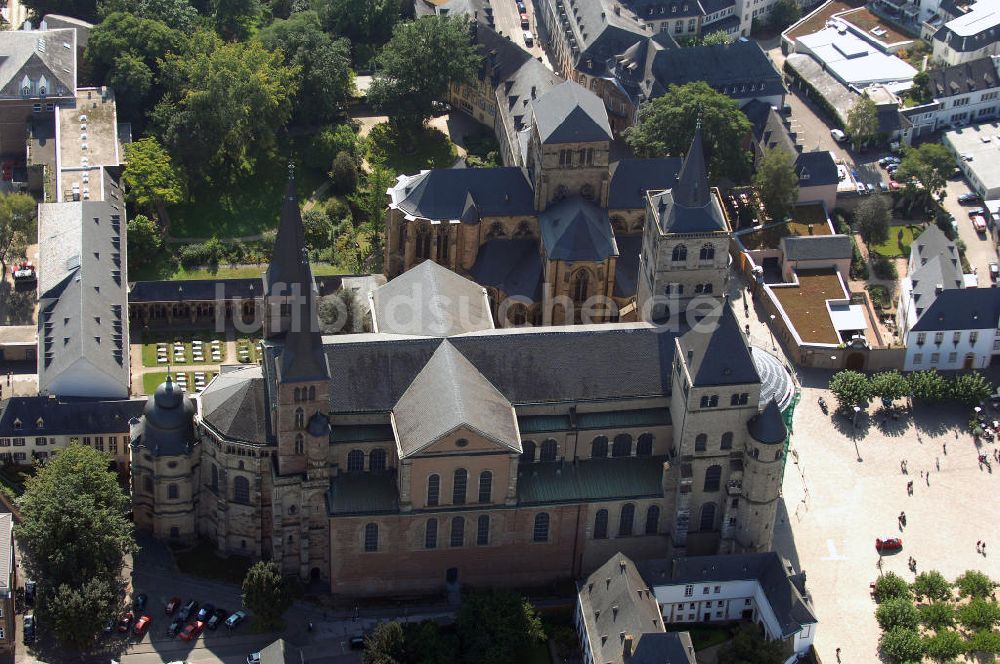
[979, 224]
[524, 21]
[888, 544]
[172, 605]
[141, 625]
[125, 622]
[192, 631]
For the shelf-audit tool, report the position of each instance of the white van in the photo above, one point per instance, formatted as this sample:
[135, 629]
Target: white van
[529, 39]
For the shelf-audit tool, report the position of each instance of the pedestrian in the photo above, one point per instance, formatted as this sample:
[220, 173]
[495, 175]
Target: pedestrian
[984, 547]
[928, 478]
[944, 448]
[937, 462]
[979, 545]
[838, 654]
[921, 474]
[909, 487]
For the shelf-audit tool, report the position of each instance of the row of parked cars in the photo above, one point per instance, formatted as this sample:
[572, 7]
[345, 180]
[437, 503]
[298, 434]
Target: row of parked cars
[189, 619]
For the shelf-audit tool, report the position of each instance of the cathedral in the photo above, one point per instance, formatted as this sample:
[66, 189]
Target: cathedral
[442, 449]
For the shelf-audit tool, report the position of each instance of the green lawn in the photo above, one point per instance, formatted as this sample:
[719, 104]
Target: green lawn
[164, 268]
[203, 561]
[431, 149]
[150, 342]
[247, 345]
[152, 380]
[898, 244]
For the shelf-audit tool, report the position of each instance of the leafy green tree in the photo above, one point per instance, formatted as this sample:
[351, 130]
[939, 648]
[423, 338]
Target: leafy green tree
[897, 612]
[326, 80]
[777, 182]
[178, 14]
[937, 615]
[944, 645]
[344, 174]
[18, 217]
[225, 104]
[902, 645]
[266, 594]
[985, 641]
[418, 64]
[426, 644]
[749, 647]
[974, 583]
[979, 614]
[144, 240]
[928, 385]
[891, 586]
[890, 385]
[971, 388]
[317, 227]
[498, 626]
[850, 388]
[74, 537]
[371, 200]
[666, 127]
[921, 92]
[85, 9]
[717, 38]
[328, 143]
[872, 221]
[361, 21]
[783, 14]
[862, 121]
[151, 179]
[932, 585]
[385, 644]
[930, 164]
[237, 19]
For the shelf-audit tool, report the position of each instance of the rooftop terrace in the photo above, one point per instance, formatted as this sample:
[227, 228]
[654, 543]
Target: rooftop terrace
[803, 217]
[805, 304]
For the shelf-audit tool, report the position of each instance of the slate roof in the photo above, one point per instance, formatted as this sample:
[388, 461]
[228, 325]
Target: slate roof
[713, 6]
[768, 426]
[513, 266]
[654, 10]
[632, 178]
[569, 113]
[740, 70]
[449, 393]
[62, 417]
[663, 648]
[38, 54]
[589, 480]
[431, 300]
[442, 193]
[934, 262]
[627, 266]
[6, 555]
[576, 230]
[213, 290]
[720, 357]
[816, 169]
[289, 267]
[816, 247]
[167, 424]
[980, 74]
[781, 589]
[613, 600]
[233, 404]
[601, 33]
[961, 309]
[689, 206]
[502, 57]
[280, 652]
[768, 129]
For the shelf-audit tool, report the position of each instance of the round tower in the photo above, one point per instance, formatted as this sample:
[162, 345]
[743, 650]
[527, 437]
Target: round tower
[765, 449]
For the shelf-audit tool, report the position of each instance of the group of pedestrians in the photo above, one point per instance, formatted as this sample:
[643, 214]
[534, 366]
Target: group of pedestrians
[981, 548]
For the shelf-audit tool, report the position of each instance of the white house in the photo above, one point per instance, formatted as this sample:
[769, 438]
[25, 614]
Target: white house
[973, 35]
[962, 94]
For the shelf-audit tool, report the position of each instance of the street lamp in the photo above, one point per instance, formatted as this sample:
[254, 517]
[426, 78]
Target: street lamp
[774, 346]
[857, 411]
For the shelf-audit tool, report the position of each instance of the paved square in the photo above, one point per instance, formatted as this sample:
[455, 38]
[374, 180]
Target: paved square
[837, 505]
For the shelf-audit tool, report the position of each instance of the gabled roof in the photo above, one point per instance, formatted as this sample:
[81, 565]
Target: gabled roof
[66, 416]
[31, 56]
[442, 194]
[720, 354]
[816, 169]
[768, 426]
[448, 393]
[979, 74]
[233, 404]
[689, 206]
[816, 247]
[631, 179]
[280, 652]
[576, 230]
[741, 70]
[570, 113]
[627, 265]
[961, 309]
[431, 300]
[934, 262]
[513, 266]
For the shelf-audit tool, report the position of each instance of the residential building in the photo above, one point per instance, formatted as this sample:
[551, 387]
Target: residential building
[8, 585]
[619, 622]
[970, 36]
[852, 60]
[975, 148]
[758, 588]
[961, 94]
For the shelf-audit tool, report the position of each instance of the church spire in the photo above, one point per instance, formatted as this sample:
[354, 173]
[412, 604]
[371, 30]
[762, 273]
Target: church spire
[691, 189]
[287, 271]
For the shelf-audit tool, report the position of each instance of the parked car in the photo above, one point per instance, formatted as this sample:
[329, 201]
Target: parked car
[520, 7]
[125, 622]
[976, 210]
[968, 198]
[862, 189]
[888, 544]
[29, 591]
[23, 271]
[253, 658]
[979, 223]
[140, 602]
[235, 619]
[205, 612]
[529, 39]
[192, 631]
[29, 629]
[187, 611]
[357, 642]
[524, 21]
[871, 188]
[838, 135]
[173, 605]
[895, 186]
[994, 271]
[218, 617]
[175, 627]
[141, 625]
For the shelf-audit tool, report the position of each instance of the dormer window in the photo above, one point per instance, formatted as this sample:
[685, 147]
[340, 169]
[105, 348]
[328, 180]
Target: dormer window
[40, 423]
[17, 423]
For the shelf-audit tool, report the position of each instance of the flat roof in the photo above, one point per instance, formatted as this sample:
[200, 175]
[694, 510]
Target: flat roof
[847, 317]
[985, 14]
[805, 304]
[982, 143]
[853, 60]
[833, 91]
[87, 140]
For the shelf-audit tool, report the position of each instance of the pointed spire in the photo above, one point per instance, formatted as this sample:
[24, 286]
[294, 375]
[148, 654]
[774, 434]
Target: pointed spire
[286, 267]
[691, 189]
[303, 357]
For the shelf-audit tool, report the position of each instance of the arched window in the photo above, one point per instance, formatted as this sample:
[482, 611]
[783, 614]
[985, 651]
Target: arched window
[300, 443]
[485, 486]
[700, 442]
[483, 530]
[599, 448]
[645, 445]
[518, 315]
[312, 393]
[581, 286]
[626, 519]
[431, 534]
[601, 524]
[652, 520]
[708, 288]
[371, 537]
[300, 418]
[707, 252]
[549, 449]
[727, 441]
[355, 461]
[680, 253]
[376, 459]
[457, 531]
[458, 487]
[147, 484]
[172, 491]
[622, 446]
[423, 248]
[298, 395]
[528, 450]
[713, 477]
[433, 490]
[707, 517]
[241, 490]
[540, 533]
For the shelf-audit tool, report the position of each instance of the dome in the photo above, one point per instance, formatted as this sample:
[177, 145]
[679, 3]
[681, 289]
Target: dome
[168, 420]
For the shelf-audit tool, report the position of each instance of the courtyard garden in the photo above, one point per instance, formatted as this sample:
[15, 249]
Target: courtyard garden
[189, 381]
[898, 243]
[162, 350]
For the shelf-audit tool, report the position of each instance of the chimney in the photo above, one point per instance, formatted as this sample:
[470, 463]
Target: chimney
[627, 646]
[534, 89]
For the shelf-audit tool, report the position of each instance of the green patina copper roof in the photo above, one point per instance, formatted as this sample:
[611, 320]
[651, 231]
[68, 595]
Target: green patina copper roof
[645, 417]
[362, 493]
[360, 433]
[591, 480]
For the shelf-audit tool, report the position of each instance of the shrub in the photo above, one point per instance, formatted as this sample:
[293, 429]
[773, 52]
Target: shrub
[851, 388]
[932, 585]
[897, 612]
[986, 641]
[880, 296]
[944, 645]
[344, 173]
[208, 253]
[970, 388]
[891, 586]
[979, 614]
[328, 143]
[859, 268]
[902, 645]
[884, 268]
[937, 615]
[974, 584]
[338, 210]
[317, 227]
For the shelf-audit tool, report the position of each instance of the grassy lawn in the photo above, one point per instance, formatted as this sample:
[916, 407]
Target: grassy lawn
[432, 149]
[152, 379]
[898, 244]
[768, 238]
[247, 351]
[150, 342]
[203, 561]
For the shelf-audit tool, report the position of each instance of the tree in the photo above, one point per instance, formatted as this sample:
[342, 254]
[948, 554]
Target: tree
[937, 615]
[418, 64]
[974, 583]
[928, 385]
[717, 38]
[151, 179]
[851, 388]
[777, 182]
[928, 165]
[266, 594]
[344, 174]
[361, 21]
[85, 9]
[902, 645]
[891, 586]
[921, 92]
[862, 121]
[328, 143]
[371, 200]
[498, 626]
[985, 641]
[971, 388]
[979, 614]
[897, 612]
[224, 106]
[872, 221]
[932, 585]
[749, 647]
[325, 80]
[317, 227]
[426, 644]
[385, 644]
[17, 225]
[666, 127]
[144, 240]
[944, 645]
[178, 14]
[74, 537]
[337, 313]
[889, 385]
[236, 19]
[783, 14]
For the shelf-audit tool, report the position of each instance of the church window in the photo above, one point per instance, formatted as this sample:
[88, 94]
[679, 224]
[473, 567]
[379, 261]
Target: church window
[601, 524]
[485, 486]
[483, 530]
[708, 288]
[622, 446]
[708, 516]
[626, 519]
[376, 460]
[355, 461]
[519, 314]
[312, 393]
[215, 477]
[523, 231]
[423, 248]
[700, 442]
[442, 246]
[371, 537]
[540, 533]
[172, 491]
[431, 534]
[562, 157]
[496, 231]
[713, 477]
[457, 531]
[680, 253]
[707, 252]
[298, 395]
[599, 448]
[300, 418]
[459, 486]
[300, 444]
[645, 445]
[652, 520]
[548, 451]
[727, 441]
[583, 157]
[528, 450]
[581, 286]
[241, 490]
[433, 490]
[590, 156]
[698, 288]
